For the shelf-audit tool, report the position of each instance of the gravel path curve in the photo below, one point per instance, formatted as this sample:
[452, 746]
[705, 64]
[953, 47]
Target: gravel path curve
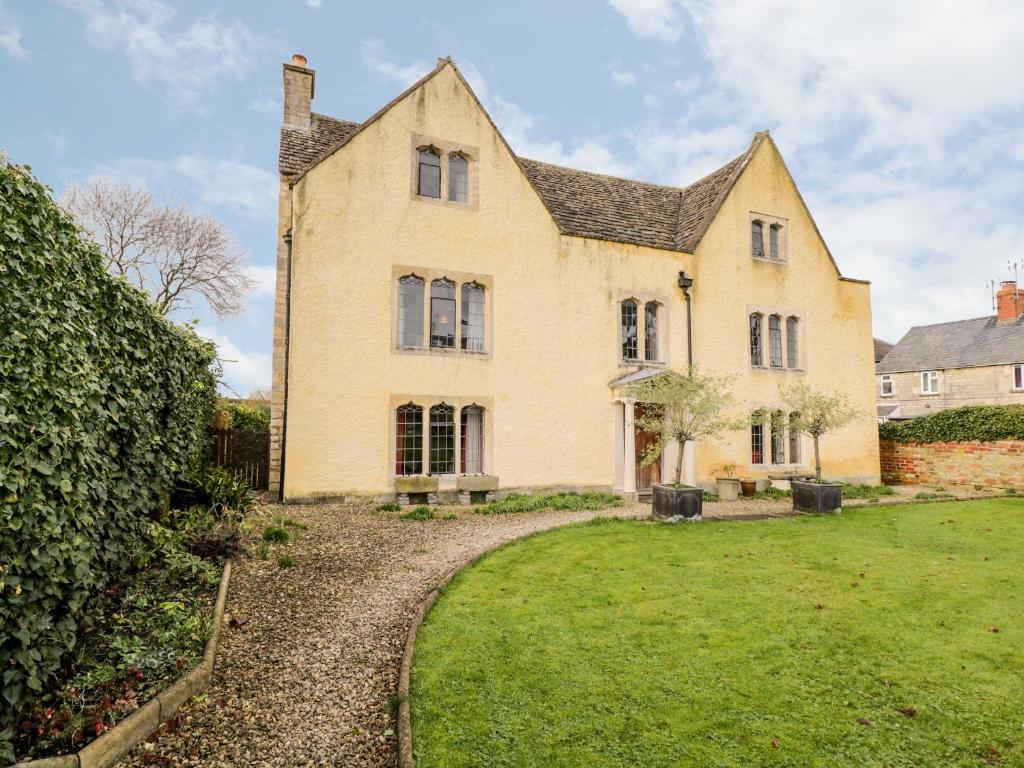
[311, 678]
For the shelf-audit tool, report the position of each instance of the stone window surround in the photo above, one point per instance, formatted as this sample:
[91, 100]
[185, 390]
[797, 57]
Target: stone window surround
[426, 402]
[938, 384]
[801, 338]
[428, 275]
[766, 444]
[642, 299]
[445, 149]
[768, 221]
[885, 378]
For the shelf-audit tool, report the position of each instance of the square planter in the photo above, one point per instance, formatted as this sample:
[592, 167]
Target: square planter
[815, 497]
[728, 488]
[476, 483]
[416, 484]
[671, 503]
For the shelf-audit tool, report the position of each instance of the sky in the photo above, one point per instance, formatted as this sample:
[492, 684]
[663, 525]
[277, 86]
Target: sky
[900, 121]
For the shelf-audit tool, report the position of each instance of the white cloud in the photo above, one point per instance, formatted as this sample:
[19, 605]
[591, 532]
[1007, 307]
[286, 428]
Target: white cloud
[686, 85]
[10, 34]
[658, 19]
[243, 371]
[651, 101]
[314, 4]
[185, 62]
[622, 78]
[376, 60]
[265, 106]
[58, 141]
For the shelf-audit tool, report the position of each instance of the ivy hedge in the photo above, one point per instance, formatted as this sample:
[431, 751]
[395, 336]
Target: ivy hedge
[956, 425]
[104, 405]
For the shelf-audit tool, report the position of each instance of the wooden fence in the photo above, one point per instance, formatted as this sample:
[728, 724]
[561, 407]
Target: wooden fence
[245, 453]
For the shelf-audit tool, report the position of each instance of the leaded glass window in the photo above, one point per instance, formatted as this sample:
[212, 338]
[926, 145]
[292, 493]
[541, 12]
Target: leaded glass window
[792, 342]
[794, 438]
[473, 317]
[775, 341]
[757, 239]
[428, 182]
[629, 332]
[757, 443]
[773, 242]
[472, 440]
[756, 355]
[442, 314]
[409, 440]
[442, 440]
[410, 311]
[651, 331]
[458, 179]
[778, 438]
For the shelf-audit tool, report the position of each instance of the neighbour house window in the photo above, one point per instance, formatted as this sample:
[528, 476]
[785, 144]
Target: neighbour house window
[757, 443]
[629, 332]
[755, 339]
[442, 440]
[930, 383]
[778, 438]
[409, 440]
[794, 439]
[428, 179]
[773, 242]
[472, 449]
[1018, 376]
[473, 317]
[775, 341]
[886, 384]
[442, 313]
[410, 311]
[792, 343]
[458, 178]
[651, 331]
[757, 239]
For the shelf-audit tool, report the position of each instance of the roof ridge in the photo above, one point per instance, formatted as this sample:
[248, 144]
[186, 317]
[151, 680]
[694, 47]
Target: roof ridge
[953, 322]
[672, 187]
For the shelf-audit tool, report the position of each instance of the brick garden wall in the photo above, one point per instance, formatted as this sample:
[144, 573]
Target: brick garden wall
[999, 464]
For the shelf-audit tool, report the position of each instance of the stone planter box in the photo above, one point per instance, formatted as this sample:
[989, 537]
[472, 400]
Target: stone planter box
[728, 488]
[416, 484]
[476, 482]
[671, 503]
[815, 497]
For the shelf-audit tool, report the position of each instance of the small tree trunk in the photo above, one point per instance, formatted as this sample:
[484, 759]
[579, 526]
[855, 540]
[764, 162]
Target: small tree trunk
[679, 462]
[817, 460]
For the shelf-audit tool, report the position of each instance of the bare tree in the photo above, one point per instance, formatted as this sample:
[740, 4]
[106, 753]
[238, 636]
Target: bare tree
[170, 252]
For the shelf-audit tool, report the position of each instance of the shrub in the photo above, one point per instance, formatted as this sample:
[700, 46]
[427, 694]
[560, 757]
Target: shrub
[245, 416]
[773, 493]
[870, 492]
[389, 506]
[217, 489]
[285, 561]
[520, 502]
[926, 495]
[418, 513]
[986, 423]
[276, 535]
[104, 406]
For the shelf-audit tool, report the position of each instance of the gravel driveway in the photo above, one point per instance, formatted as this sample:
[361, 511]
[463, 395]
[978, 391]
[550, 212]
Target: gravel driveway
[310, 679]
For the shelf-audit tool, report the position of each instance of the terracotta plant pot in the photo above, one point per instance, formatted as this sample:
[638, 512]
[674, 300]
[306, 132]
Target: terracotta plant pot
[748, 487]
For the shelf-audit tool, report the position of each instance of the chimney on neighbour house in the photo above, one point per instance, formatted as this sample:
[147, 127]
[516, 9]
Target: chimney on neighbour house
[1009, 301]
[298, 93]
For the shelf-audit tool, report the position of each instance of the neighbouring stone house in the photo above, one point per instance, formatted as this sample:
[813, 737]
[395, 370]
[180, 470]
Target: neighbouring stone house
[965, 362]
[452, 317]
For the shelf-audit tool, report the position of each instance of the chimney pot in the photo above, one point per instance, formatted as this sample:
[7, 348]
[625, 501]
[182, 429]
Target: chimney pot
[1009, 301]
[299, 60]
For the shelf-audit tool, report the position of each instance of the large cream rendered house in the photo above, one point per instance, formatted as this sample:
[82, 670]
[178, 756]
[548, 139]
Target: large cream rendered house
[453, 319]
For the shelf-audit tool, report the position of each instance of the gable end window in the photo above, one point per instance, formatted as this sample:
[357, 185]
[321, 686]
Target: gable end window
[410, 311]
[775, 341]
[629, 330]
[886, 381]
[428, 177]
[757, 239]
[792, 343]
[458, 178]
[773, 242]
[442, 314]
[930, 383]
[756, 355]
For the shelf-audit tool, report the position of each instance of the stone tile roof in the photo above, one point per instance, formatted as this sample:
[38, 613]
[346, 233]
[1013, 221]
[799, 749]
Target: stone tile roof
[300, 148]
[582, 203]
[960, 344]
[881, 349]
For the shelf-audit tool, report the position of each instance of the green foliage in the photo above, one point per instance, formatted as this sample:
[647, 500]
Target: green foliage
[275, 534]
[104, 407]
[421, 512]
[773, 493]
[926, 495]
[285, 561]
[450, 516]
[217, 489]
[389, 506]
[816, 413]
[245, 416]
[520, 502]
[290, 522]
[869, 492]
[986, 423]
[713, 497]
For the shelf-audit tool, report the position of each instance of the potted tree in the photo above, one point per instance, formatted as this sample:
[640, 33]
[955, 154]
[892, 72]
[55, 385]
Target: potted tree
[816, 414]
[728, 485]
[681, 409]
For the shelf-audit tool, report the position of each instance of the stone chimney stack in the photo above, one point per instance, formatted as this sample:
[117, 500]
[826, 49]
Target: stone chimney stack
[298, 93]
[1009, 301]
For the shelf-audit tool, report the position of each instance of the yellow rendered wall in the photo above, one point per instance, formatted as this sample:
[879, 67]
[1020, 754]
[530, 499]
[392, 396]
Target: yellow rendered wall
[555, 312]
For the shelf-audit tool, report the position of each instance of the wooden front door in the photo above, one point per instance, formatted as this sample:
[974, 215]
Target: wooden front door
[651, 474]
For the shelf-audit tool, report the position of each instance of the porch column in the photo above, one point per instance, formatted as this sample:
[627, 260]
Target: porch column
[628, 449]
[690, 463]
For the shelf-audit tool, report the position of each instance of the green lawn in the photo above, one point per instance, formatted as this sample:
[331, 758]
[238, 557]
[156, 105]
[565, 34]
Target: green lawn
[780, 642]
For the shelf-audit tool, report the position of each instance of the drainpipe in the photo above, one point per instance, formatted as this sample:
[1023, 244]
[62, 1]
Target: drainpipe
[287, 348]
[686, 282]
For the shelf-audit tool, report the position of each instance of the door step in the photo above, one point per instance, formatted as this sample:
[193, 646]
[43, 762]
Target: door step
[644, 494]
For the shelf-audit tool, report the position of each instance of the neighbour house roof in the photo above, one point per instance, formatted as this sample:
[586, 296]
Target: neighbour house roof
[960, 344]
[881, 349]
[885, 410]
